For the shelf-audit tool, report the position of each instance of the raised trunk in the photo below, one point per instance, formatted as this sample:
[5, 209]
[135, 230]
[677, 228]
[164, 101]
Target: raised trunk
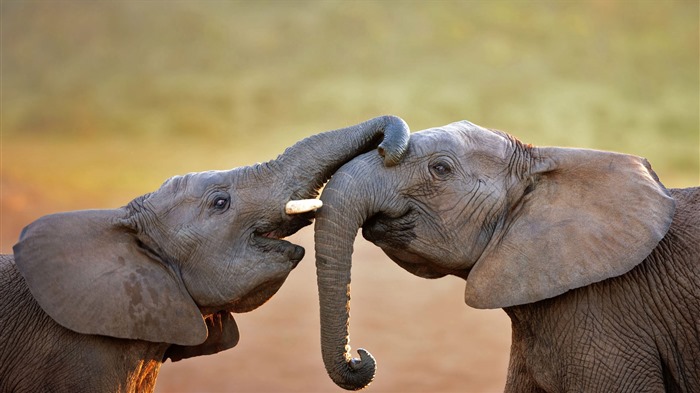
[343, 213]
[311, 162]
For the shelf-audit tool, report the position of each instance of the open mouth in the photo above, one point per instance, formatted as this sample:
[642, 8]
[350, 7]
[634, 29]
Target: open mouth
[286, 228]
[272, 242]
[272, 239]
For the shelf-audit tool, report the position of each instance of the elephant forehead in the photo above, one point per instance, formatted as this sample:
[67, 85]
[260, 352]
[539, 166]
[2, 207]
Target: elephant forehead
[458, 138]
[196, 183]
[428, 142]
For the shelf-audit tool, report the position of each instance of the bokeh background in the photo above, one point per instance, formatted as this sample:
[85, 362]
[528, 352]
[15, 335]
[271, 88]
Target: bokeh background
[102, 101]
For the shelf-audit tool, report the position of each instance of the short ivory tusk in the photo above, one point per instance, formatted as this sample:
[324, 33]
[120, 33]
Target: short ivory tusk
[302, 206]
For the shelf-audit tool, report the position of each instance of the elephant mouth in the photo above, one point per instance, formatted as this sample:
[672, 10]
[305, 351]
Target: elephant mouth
[393, 232]
[270, 238]
[278, 256]
[394, 236]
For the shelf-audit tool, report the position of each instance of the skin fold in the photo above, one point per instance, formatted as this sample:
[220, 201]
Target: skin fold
[596, 263]
[97, 300]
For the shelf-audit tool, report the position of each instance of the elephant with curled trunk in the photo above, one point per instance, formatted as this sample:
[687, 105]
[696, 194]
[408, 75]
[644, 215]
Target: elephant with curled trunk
[596, 263]
[95, 301]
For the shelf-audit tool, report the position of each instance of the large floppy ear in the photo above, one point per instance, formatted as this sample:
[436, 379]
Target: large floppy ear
[223, 334]
[589, 215]
[87, 271]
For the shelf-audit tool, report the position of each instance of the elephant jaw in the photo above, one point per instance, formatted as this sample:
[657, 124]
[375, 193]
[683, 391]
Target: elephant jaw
[300, 214]
[271, 242]
[257, 297]
[394, 235]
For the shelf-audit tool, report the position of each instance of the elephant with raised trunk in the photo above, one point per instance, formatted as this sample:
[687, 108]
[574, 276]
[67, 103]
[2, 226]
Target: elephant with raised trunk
[96, 300]
[596, 263]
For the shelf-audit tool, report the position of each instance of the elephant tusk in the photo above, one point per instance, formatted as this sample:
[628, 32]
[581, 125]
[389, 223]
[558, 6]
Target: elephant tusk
[302, 206]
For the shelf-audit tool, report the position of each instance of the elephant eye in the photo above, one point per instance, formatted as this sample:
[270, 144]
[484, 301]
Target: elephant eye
[221, 202]
[440, 169]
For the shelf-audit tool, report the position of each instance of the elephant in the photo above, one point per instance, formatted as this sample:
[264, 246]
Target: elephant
[595, 262]
[97, 300]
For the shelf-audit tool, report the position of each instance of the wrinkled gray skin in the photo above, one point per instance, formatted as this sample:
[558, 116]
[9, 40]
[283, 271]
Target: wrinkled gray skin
[594, 261]
[95, 301]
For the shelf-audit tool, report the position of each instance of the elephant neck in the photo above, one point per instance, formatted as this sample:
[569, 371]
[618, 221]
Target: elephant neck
[143, 376]
[133, 364]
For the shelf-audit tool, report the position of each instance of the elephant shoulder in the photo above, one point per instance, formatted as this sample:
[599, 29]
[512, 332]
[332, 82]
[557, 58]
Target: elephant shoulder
[18, 309]
[21, 321]
[15, 298]
[681, 246]
[687, 216]
[24, 324]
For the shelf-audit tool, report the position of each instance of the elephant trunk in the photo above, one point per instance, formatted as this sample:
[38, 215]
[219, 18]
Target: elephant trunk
[337, 222]
[311, 162]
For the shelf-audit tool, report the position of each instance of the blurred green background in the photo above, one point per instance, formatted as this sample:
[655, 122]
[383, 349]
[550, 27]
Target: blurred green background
[104, 100]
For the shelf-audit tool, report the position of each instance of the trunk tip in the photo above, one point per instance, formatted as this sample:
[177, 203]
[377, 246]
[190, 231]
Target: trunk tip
[395, 143]
[358, 373]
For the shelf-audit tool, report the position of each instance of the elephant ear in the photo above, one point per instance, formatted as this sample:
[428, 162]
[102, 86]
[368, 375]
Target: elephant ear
[88, 272]
[589, 215]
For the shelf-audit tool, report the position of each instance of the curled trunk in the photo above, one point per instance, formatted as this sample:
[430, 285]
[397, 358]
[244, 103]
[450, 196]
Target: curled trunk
[311, 162]
[343, 213]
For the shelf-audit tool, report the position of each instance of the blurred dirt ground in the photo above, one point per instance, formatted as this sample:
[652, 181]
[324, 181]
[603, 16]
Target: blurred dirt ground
[424, 337]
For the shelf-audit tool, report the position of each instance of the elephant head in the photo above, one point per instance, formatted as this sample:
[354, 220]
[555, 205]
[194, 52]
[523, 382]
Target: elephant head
[171, 265]
[518, 223]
